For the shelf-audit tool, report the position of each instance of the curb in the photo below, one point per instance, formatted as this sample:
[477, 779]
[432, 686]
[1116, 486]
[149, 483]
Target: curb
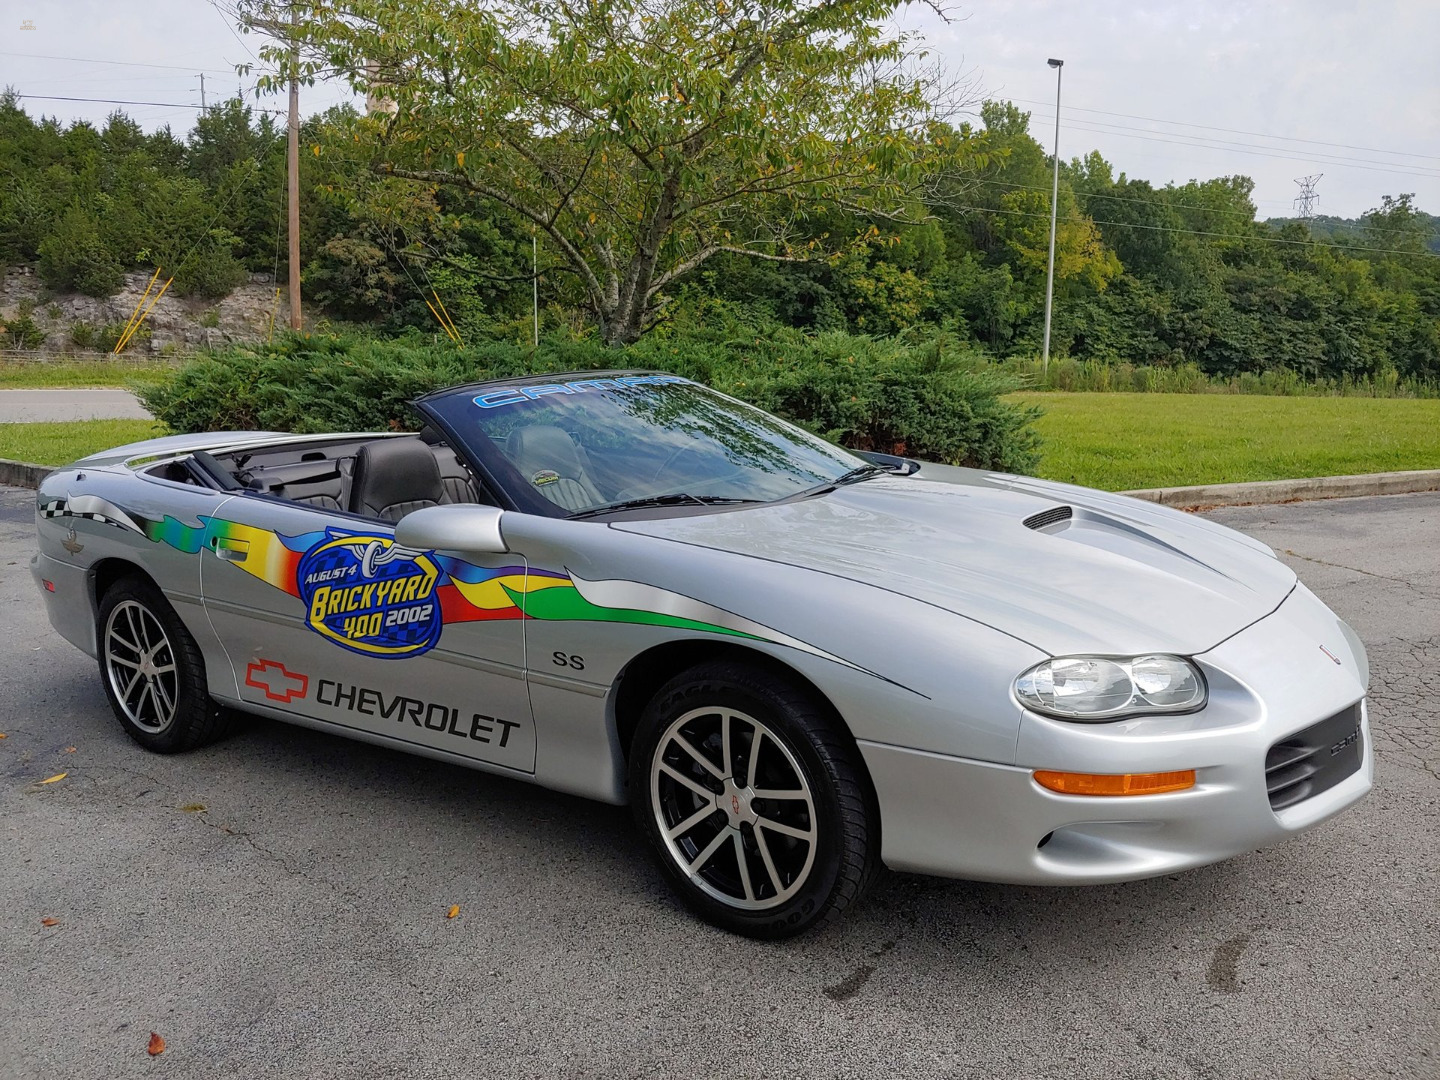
[23, 474]
[1282, 491]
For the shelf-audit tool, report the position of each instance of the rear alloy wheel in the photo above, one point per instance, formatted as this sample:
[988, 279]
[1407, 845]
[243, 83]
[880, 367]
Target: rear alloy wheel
[152, 670]
[755, 800]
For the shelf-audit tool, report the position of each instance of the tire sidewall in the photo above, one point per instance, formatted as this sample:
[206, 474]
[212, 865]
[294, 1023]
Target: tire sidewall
[755, 697]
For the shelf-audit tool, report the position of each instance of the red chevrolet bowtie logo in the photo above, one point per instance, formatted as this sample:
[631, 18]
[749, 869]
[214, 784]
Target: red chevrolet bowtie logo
[278, 684]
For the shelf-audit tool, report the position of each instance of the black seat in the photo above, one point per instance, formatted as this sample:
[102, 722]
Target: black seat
[394, 477]
[549, 459]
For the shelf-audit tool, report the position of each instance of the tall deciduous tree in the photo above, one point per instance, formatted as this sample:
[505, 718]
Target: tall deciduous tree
[640, 138]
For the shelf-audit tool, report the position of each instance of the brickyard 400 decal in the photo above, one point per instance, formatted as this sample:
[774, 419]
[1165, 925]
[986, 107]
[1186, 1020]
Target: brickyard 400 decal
[364, 592]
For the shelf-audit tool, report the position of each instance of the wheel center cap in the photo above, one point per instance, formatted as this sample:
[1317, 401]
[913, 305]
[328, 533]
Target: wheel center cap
[735, 801]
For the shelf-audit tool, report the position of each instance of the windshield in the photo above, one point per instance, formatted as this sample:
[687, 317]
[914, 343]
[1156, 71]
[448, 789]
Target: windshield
[587, 444]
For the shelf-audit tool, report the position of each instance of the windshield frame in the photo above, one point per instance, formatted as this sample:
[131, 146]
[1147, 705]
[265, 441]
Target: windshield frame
[492, 467]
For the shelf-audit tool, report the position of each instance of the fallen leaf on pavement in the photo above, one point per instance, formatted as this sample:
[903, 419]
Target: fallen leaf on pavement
[3, 735]
[454, 910]
[69, 749]
[193, 808]
[52, 779]
[157, 1045]
[48, 921]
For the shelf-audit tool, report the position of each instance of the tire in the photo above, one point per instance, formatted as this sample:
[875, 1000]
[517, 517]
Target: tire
[767, 866]
[152, 671]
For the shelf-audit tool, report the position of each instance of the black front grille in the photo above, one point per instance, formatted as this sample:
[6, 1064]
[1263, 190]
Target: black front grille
[1314, 760]
[1053, 516]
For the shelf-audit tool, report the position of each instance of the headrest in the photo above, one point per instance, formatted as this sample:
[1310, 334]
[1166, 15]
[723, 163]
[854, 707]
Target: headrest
[394, 471]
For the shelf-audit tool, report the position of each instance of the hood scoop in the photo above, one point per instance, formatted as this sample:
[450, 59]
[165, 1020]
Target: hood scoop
[1056, 515]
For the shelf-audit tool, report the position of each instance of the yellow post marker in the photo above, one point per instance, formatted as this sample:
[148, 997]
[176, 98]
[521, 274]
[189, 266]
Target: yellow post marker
[126, 340]
[455, 333]
[125, 333]
[443, 325]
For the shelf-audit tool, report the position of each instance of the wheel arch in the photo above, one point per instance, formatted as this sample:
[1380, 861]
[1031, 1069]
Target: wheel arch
[106, 572]
[642, 677]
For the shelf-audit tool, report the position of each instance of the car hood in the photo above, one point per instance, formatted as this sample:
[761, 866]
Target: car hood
[1115, 576]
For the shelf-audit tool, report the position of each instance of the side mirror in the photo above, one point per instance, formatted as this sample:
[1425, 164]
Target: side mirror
[453, 528]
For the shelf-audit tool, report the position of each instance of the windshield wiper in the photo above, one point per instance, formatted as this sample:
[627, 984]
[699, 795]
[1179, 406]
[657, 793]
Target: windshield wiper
[861, 472]
[854, 476]
[679, 498]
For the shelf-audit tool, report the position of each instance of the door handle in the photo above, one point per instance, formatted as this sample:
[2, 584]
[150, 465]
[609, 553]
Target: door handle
[229, 550]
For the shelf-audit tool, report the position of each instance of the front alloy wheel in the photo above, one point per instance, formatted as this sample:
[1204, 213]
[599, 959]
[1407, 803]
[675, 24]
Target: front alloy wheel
[755, 799]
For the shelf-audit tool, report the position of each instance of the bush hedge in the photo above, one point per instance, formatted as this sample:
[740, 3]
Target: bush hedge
[865, 393]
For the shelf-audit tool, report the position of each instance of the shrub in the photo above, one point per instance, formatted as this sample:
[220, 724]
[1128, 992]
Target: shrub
[889, 395]
[211, 271]
[75, 256]
[21, 332]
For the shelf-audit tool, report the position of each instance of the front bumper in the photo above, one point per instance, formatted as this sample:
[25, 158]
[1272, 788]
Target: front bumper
[972, 819]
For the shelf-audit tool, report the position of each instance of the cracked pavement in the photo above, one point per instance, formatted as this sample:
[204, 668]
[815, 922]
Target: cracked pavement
[275, 905]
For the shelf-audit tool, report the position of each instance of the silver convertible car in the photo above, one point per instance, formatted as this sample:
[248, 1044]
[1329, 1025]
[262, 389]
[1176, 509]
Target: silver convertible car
[795, 662]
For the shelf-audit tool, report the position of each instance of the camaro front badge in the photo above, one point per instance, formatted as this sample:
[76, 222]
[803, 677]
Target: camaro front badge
[1330, 654]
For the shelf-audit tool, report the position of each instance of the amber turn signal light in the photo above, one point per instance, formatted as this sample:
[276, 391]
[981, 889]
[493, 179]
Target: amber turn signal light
[1155, 783]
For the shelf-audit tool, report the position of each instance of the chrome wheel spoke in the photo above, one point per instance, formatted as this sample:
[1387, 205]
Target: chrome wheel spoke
[158, 687]
[744, 867]
[707, 853]
[705, 763]
[690, 822]
[725, 719]
[754, 757]
[787, 795]
[117, 639]
[768, 860]
[681, 778]
[131, 664]
[781, 827]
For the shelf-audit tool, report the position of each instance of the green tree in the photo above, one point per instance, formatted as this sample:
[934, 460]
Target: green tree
[641, 138]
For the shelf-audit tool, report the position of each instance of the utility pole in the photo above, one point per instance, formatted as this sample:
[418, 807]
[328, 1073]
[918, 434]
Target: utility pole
[202, 91]
[293, 170]
[535, 281]
[1054, 201]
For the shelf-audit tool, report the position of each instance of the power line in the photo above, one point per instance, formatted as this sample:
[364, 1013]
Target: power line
[116, 101]
[1199, 142]
[1238, 131]
[120, 63]
[1201, 232]
[1085, 195]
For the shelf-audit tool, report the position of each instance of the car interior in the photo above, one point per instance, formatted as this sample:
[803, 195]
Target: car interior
[384, 478]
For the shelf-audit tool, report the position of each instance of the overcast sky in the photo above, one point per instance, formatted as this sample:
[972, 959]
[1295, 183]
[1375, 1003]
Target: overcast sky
[1270, 89]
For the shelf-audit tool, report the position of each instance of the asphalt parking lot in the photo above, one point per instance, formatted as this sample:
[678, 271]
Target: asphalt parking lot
[276, 905]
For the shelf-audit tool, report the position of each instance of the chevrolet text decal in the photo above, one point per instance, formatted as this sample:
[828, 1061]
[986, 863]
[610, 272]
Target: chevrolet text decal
[513, 395]
[427, 714]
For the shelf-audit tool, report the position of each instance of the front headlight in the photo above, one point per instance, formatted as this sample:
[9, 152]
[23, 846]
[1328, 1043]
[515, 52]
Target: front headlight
[1106, 688]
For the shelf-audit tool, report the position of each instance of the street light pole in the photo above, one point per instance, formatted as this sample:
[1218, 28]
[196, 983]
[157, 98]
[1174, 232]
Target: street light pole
[1054, 200]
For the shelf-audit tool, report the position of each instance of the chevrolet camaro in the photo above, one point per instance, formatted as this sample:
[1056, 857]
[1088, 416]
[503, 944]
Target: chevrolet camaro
[796, 662]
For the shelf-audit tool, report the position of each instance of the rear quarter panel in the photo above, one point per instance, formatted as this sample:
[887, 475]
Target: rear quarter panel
[74, 545]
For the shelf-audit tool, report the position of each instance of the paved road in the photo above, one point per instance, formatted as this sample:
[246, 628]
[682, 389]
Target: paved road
[295, 927]
[27, 406]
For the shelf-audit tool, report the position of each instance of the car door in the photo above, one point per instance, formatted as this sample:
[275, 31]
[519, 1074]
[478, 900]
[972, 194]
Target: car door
[324, 616]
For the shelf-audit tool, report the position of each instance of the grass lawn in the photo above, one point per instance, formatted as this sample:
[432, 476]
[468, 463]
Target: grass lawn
[41, 374]
[1122, 441]
[62, 443]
